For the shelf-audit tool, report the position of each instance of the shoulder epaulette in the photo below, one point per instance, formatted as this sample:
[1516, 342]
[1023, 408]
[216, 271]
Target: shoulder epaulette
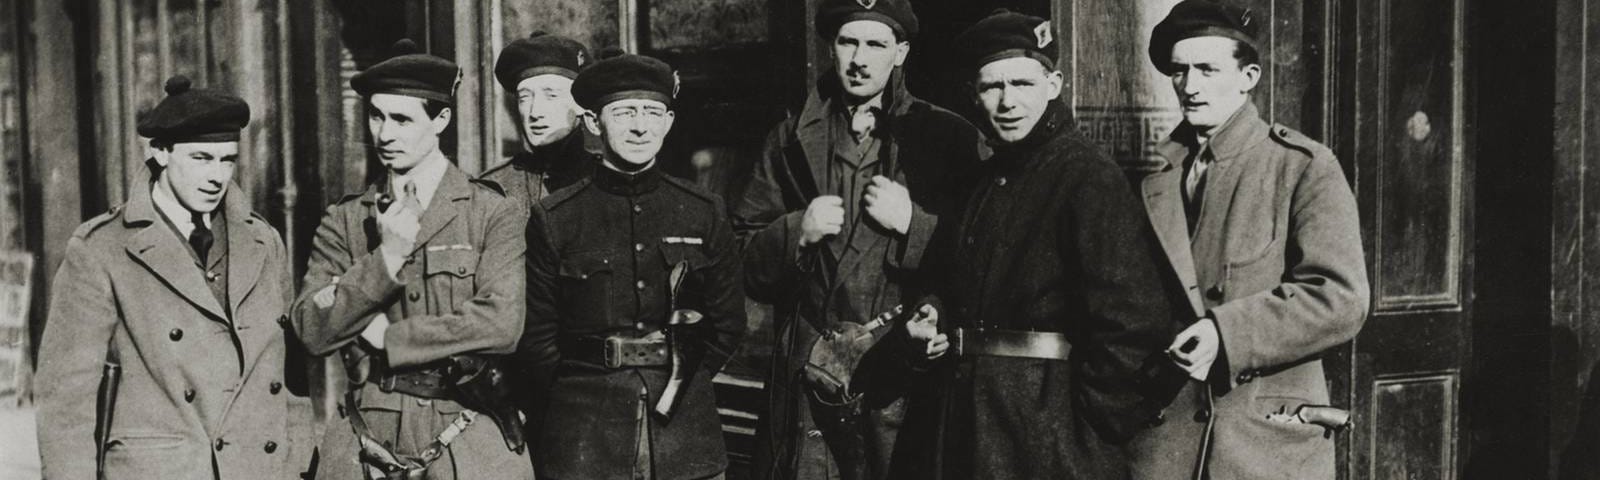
[495, 169]
[1296, 140]
[693, 189]
[489, 184]
[563, 194]
[98, 221]
[350, 197]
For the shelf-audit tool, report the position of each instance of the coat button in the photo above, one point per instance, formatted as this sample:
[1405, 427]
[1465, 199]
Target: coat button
[639, 285]
[1202, 416]
[275, 387]
[415, 296]
[176, 334]
[639, 326]
[638, 209]
[638, 247]
[1245, 377]
[271, 446]
[212, 276]
[188, 395]
[283, 320]
[1214, 293]
[221, 443]
[1160, 418]
[461, 270]
[1000, 181]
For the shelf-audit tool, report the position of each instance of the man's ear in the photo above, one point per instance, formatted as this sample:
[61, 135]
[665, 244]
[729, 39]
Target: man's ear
[901, 49]
[162, 154]
[1055, 81]
[1252, 76]
[590, 122]
[442, 120]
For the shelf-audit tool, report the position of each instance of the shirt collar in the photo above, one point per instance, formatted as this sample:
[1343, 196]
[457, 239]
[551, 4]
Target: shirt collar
[426, 175]
[175, 212]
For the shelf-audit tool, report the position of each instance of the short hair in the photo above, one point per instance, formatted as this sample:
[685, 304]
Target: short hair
[429, 106]
[1245, 53]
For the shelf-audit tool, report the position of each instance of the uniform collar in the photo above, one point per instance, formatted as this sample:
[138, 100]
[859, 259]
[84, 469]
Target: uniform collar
[1241, 131]
[1054, 119]
[426, 175]
[563, 156]
[625, 184]
[141, 207]
[181, 217]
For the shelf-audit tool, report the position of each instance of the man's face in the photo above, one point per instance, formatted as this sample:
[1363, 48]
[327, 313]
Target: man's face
[865, 52]
[1210, 83]
[1014, 93]
[198, 174]
[634, 128]
[402, 131]
[548, 111]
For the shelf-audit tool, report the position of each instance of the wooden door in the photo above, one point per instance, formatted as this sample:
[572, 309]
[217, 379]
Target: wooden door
[1404, 103]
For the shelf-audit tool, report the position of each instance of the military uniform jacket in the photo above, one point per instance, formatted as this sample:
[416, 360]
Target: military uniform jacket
[459, 292]
[1276, 259]
[530, 176]
[599, 256]
[928, 149]
[206, 391]
[1050, 241]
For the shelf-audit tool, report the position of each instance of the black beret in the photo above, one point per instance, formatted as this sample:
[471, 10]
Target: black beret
[897, 14]
[1200, 18]
[624, 76]
[194, 115]
[536, 55]
[1006, 34]
[410, 73]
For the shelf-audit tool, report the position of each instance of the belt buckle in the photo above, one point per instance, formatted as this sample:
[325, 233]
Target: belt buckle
[386, 382]
[958, 337]
[613, 352]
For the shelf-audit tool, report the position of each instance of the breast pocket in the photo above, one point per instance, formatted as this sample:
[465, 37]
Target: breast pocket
[451, 274]
[585, 280]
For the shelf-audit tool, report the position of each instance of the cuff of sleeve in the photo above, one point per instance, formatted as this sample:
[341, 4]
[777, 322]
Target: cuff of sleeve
[1233, 367]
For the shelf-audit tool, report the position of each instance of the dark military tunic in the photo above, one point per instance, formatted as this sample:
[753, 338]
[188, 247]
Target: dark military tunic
[530, 176]
[599, 254]
[1052, 240]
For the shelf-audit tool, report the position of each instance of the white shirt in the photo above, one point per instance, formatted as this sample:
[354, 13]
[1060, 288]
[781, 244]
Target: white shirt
[427, 175]
[179, 215]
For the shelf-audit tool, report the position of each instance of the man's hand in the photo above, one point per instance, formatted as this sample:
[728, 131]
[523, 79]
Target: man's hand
[1195, 348]
[823, 218]
[888, 203]
[373, 334]
[923, 329]
[397, 230]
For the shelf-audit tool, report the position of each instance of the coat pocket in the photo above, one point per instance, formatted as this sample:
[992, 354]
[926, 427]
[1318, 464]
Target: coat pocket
[451, 276]
[585, 281]
[140, 454]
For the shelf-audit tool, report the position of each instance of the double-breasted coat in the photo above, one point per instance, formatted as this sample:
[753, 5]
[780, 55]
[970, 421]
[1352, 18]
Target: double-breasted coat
[599, 257]
[928, 149]
[206, 388]
[1051, 240]
[1276, 260]
[459, 292]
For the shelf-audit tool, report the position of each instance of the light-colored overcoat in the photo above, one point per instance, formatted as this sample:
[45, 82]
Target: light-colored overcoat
[1276, 259]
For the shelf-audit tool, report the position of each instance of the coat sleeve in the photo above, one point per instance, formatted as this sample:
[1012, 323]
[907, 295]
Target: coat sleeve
[492, 320]
[81, 321]
[1127, 321]
[963, 148]
[537, 354]
[1323, 298]
[722, 293]
[768, 233]
[329, 314]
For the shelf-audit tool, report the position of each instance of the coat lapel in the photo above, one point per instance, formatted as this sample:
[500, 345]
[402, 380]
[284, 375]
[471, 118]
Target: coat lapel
[159, 250]
[247, 252]
[442, 209]
[1165, 208]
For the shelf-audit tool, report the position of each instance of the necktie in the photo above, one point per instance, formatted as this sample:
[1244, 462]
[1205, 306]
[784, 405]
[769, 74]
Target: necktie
[200, 237]
[1194, 185]
[862, 119]
[411, 201]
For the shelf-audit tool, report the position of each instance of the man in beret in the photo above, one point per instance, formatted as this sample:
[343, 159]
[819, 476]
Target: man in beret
[634, 298]
[539, 71]
[182, 271]
[1050, 353]
[1263, 249]
[408, 278]
[836, 219]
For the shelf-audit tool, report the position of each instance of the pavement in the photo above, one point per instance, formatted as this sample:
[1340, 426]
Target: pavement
[19, 444]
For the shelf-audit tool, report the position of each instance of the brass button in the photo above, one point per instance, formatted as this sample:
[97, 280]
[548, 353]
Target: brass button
[1161, 417]
[212, 276]
[176, 334]
[271, 446]
[1000, 181]
[638, 247]
[1214, 293]
[1204, 415]
[221, 443]
[639, 285]
[188, 395]
[461, 270]
[638, 209]
[639, 326]
[415, 296]
[275, 387]
[283, 320]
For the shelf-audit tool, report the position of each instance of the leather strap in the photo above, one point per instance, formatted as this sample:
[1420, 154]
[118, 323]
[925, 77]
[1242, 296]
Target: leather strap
[1010, 343]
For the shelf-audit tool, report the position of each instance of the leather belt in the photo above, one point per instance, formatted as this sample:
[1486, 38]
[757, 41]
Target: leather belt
[616, 351]
[425, 382]
[1010, 343]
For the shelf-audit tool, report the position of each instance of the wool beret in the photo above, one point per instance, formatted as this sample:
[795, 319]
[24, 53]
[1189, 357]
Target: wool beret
[1200, 18]
[1006, 34]
[194, 115]
[624, 76]
[539, 54]
[897, 14]
[411, 73]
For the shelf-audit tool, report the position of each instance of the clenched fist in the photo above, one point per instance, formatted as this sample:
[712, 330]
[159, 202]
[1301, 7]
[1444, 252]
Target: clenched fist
[888, 203]
[823, 218]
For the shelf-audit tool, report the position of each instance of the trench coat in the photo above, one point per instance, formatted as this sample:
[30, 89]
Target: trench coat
[1050, 241]
[599, 257]
[928, 149]
[1276, 259]
[208, 389]
[459, 292]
